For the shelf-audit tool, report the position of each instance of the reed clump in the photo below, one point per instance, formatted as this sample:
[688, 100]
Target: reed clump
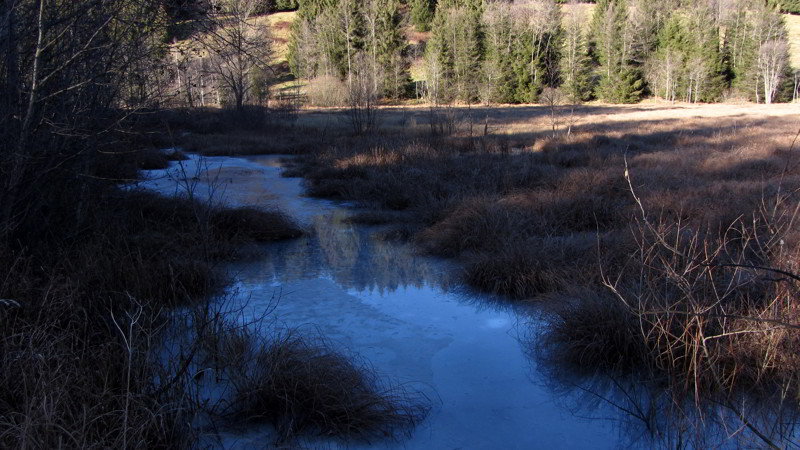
[302, 386]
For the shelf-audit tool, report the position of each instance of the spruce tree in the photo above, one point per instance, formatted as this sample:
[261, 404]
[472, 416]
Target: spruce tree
[390, 51]
[455, 52]
[422, 13]
[499, 41]
[621, 80]
[575, 63]
[439, 59]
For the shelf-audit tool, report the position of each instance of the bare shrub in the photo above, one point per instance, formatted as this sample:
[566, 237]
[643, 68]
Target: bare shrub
[553, 98]
[362, 97]
[327, 91]
[444, 121]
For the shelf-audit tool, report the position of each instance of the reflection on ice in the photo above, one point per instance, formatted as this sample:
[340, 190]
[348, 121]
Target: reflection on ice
[351, 255]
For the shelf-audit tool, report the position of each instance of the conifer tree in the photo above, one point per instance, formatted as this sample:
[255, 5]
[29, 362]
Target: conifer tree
[439, 60]
[500, 39]
[388, 46]
[455, 51]
[575, 67]
[621, 80]
[422, 13]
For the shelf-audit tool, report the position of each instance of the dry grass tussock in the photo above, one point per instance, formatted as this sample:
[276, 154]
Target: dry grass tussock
[303, 386]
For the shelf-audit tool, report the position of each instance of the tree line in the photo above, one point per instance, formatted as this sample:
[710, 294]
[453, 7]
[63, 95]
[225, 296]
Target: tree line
[511, 51]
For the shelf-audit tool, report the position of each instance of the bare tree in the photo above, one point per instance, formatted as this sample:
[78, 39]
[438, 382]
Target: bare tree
[67, 68]
[772, 59]
[363, 96]
[697, 74]
[237, 46]
[663, 73]
[552, 98]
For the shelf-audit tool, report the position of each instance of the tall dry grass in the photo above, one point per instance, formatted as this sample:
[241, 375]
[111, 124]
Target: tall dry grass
[303, 385]
[82, 316]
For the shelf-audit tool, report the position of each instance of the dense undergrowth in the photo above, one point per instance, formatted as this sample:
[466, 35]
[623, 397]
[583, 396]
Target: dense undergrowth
[91, 276]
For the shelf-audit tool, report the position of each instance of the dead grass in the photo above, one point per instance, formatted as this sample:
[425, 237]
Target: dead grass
[536, 216]
[254, 131]
[471, 197]
[279, 25]
[302, 385]
[589, 332]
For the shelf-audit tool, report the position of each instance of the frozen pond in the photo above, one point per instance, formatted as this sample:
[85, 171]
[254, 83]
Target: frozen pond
[402, 312]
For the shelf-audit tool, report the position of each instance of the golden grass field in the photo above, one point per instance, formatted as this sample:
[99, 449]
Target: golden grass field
[525, 123]
[793, 26]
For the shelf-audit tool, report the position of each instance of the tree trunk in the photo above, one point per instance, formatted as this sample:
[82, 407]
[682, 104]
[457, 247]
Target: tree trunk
[12, 65]
[32, 98]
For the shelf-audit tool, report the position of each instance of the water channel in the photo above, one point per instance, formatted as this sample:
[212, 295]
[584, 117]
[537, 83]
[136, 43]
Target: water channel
[404, 313]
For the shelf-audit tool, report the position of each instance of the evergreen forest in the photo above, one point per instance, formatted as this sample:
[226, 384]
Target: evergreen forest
[617, 51]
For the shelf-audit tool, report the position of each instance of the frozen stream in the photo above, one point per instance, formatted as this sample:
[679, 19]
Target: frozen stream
[398, 310]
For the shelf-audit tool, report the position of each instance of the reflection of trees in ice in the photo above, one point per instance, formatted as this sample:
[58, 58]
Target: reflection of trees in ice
[360, 260]
[353, 256]
[649, 413]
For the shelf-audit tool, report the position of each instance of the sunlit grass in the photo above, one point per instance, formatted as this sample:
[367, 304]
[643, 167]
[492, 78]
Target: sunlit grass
[793, 26]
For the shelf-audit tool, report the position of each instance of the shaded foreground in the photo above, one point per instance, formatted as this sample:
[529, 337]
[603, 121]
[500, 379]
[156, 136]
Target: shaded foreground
[666, 249]
[89, 356]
